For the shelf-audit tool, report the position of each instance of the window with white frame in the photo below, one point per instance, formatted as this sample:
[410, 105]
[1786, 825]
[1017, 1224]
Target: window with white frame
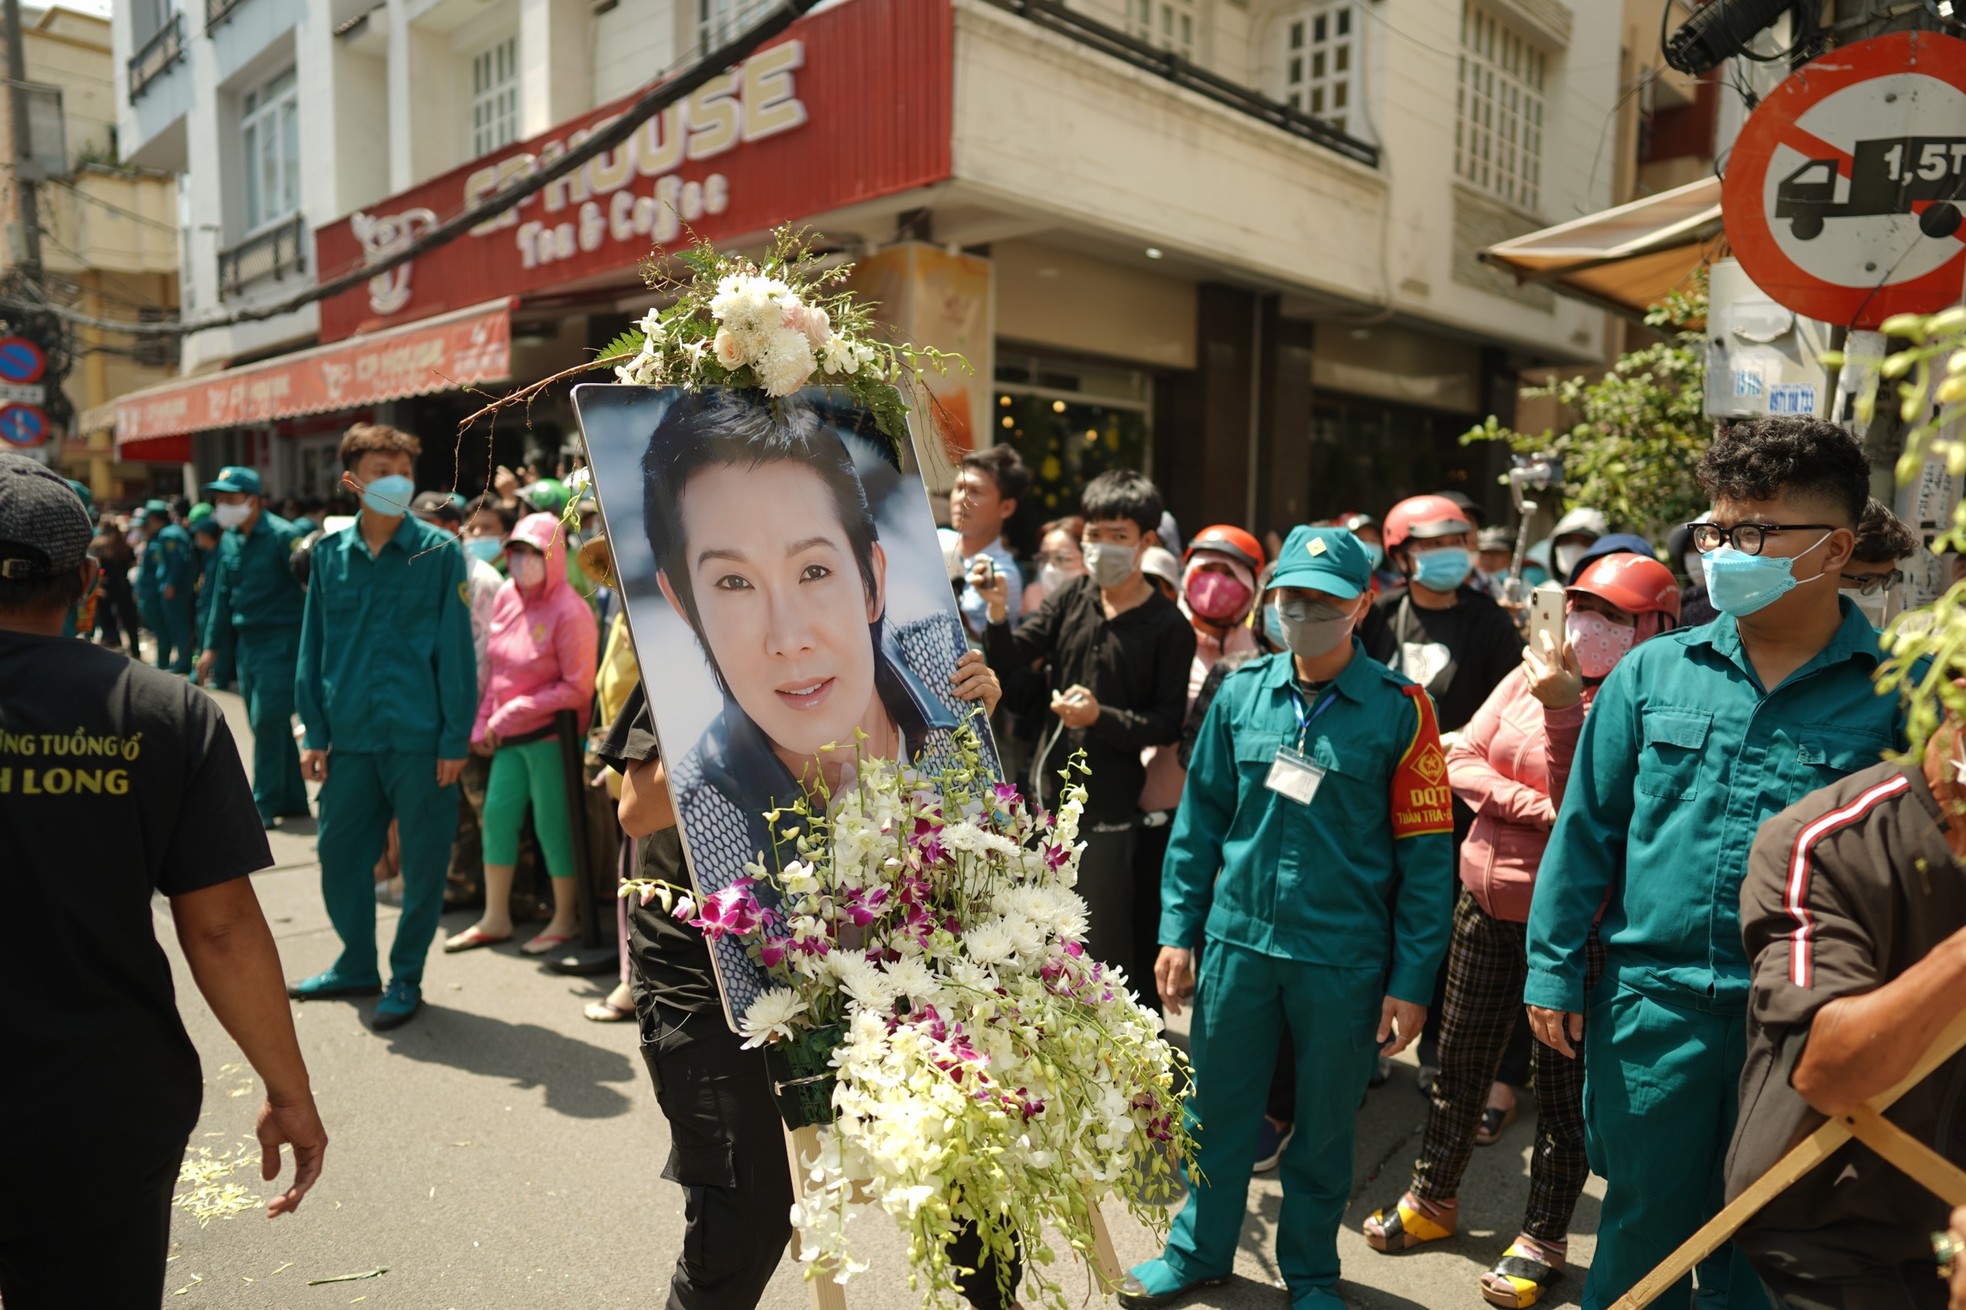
[717, 21]
[269, 137]
[495, 96]
[1498, 129]
[1170, 24]
[1318, 62]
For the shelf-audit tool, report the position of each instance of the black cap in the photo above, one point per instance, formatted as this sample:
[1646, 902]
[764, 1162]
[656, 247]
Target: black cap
[438, 505]
[44, 531]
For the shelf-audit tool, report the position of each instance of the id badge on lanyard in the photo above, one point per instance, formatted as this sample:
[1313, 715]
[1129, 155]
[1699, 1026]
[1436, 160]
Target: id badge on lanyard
[1293, 774]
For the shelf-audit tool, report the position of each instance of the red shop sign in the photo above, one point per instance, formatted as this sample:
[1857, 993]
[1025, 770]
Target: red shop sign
[851, 104]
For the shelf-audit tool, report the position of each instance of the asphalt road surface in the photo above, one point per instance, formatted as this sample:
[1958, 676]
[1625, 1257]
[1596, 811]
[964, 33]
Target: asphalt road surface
[502, 1151]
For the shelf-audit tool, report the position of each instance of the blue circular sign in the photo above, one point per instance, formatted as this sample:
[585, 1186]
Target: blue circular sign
[23, 425]
[21, 361]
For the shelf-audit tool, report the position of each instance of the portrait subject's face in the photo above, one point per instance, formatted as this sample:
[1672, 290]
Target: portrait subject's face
[781, 600]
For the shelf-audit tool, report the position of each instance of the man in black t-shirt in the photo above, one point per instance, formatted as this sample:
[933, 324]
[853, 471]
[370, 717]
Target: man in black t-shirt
[117, 782]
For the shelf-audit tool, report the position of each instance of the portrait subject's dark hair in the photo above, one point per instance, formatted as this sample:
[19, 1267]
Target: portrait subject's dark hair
[1762, 458]
[715, 428]
[1122, 494]
[1882, 537]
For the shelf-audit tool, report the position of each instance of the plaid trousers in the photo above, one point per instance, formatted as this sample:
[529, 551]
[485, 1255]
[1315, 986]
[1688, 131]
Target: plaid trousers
[1486, 966]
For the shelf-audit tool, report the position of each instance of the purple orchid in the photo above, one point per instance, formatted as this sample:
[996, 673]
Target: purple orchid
[735, 909]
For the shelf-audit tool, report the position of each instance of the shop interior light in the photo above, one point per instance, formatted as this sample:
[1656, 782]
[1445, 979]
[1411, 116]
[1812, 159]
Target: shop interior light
[1154, 252]
[1058, 407]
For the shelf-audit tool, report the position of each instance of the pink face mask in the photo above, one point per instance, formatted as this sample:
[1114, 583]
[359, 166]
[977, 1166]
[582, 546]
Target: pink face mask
[1599, 642]
[1217, 597]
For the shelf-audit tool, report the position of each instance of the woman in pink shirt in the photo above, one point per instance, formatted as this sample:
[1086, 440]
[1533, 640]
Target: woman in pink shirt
[1510, 766]
[541, 659]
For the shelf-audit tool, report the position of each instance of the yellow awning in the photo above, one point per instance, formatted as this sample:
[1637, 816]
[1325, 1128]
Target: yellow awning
[1624, 259]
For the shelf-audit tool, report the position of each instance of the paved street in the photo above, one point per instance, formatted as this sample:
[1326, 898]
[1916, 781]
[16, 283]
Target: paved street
[501, 1150]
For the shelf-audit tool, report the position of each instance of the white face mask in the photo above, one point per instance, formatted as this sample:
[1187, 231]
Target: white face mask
[1566, 557]
[1875, 607]
[528, 570]
[1051, 577]
[1694, 570]
[1110, 565]
[231, 516]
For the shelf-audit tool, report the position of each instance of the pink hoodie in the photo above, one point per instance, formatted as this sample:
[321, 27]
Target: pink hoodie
[543, 648]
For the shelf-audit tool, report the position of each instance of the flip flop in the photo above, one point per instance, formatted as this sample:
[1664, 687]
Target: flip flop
[545, 942]
[1401, 1228]
[605, 1011]
[1494, 1122]
[471, 939]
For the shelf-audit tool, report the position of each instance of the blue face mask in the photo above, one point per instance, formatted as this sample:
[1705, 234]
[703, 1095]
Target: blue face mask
[1740, 584]
[1443, 569]
[485, 548]
[1374, 552]
[389, 497]
[1273, 627]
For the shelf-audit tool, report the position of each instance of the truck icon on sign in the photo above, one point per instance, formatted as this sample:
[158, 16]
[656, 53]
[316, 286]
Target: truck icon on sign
[1887, 176]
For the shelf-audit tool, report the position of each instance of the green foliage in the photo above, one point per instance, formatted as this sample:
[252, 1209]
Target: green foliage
[1635, 447]
[1928, 646]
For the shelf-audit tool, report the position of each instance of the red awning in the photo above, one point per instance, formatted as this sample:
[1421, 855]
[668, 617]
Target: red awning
[459, 349]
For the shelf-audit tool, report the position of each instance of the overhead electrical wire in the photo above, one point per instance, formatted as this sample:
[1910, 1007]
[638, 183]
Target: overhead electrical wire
[651, 102]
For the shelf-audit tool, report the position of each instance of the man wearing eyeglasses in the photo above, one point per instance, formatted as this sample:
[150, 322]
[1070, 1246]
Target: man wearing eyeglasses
[1872, 577]
[1694, 740]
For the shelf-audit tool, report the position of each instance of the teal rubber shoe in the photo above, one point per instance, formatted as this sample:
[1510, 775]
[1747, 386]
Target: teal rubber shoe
[330, 984]
[1324, 1297]
[398, 1005]
[1154, 1285]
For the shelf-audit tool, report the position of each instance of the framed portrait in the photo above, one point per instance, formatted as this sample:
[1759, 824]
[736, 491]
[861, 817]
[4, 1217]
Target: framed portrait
[784, 588]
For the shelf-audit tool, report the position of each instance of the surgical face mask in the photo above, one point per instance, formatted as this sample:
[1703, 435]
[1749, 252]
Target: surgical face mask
[1741, 584]
[484, 548]
[1110, 565]
[1694, 569]
[528, 569]
[1218, 597]
[231, 516]
[1312, 629]
[1374, 552]
[1052, 578]
[1599, 642]
[1443, 569]
[1273, 627]
[1876, 607]
[389, 497]
[1566, 557]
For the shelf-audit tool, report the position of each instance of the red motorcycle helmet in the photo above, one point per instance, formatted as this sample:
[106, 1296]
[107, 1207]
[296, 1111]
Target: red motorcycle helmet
[1227, 539]
[1633, 583]
[1422, 517]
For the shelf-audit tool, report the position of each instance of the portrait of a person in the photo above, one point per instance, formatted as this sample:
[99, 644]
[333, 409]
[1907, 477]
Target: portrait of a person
[766, 544]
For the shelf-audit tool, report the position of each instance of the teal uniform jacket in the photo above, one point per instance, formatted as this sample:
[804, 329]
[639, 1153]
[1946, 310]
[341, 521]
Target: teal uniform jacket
[254, 587]
[1683, 757]
[170, 560]
[386, 660]
[207, 589]
[1361, 876]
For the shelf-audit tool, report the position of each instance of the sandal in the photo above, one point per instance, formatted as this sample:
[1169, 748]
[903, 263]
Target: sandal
[1401, 1228]
[471, 939]
[546, 942]
[1495, 1121]
[606, 1011]
[1521, 1278]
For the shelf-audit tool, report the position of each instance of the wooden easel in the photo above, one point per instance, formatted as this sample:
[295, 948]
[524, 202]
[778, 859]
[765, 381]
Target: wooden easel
[829, 1295]
[1866, 1124]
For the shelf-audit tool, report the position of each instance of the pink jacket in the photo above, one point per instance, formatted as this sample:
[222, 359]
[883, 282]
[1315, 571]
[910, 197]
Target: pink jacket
[543, 648]
[1509, 766]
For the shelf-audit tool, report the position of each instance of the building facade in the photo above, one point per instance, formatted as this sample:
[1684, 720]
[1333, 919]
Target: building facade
[108, 237]
[1229, 242]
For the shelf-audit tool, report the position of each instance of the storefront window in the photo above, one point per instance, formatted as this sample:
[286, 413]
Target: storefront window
[1071, 422]
[269, 134]
[495, 96]
[1367, 454]
[717, 21]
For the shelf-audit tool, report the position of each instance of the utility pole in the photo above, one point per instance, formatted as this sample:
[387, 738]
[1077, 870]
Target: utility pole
[28, 210]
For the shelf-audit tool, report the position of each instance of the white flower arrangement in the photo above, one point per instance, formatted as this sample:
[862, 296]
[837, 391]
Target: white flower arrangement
[983, 1069]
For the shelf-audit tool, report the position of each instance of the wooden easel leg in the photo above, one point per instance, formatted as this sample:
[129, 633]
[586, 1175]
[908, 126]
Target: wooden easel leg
[1105, 1261]
[803, 1144]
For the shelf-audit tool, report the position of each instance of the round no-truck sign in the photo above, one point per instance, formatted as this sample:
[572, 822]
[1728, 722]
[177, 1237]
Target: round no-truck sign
[1845, 194]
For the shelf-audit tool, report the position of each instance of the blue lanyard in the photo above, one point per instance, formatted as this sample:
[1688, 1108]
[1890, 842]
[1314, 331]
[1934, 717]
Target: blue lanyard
[1304, 719]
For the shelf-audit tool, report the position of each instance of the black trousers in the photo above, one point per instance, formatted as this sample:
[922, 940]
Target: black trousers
[109, 1254]
[727, 1153]
[1911, 1288]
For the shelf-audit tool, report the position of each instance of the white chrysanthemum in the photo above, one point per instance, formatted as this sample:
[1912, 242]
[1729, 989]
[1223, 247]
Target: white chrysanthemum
[989, 943]
[785, 363]
[911, 977]
[769, 1018]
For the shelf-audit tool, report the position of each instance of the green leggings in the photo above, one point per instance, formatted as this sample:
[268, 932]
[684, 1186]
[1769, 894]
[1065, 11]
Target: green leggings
[532, 771]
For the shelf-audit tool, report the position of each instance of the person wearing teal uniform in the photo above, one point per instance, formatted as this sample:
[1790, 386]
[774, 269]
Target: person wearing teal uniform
[252, 630]
[207, 533]
[149, 519]
[388, 693]
[71, 621]
[168, 577]
[1696, 738]
[1310, 865]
